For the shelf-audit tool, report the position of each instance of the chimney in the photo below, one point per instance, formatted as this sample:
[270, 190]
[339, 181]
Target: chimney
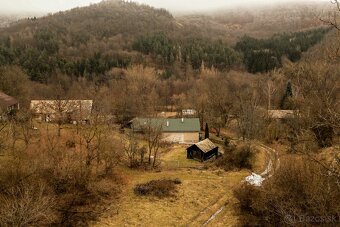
[182, 119]
[167, 123]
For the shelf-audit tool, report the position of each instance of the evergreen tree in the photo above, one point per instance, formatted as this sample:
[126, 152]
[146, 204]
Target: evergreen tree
[206, 136]
[285, 102]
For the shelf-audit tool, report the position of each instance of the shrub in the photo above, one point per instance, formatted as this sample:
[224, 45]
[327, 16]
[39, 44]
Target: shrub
[324, 135]
[276, 131]
[226, 141]
[300, 188]
[242, 157]
[236, 158]
[70, 144]
[159, 188]
[244, 194]
[26, 204]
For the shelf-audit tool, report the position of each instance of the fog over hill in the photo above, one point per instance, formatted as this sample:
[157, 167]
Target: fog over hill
[171, 5]
[202, 5]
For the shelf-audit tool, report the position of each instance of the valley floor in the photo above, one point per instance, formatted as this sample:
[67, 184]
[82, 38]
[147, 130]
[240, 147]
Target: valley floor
[203, 192]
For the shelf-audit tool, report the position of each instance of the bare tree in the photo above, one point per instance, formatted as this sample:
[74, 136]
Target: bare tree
[333, 17]
[53, 110]
[270, 90]
[153, 135]
[248, 119]
[26, 131]
[198, 98]
[220, 103]
[131, 148]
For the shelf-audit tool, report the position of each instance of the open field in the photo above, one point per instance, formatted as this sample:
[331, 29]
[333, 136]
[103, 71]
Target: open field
[199, 195]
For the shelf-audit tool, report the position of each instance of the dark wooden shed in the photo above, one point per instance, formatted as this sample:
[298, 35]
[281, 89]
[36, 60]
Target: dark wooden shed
[202, 151]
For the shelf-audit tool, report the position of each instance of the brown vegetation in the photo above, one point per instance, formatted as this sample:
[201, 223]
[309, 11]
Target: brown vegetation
[46, 183]
[158, 188]
[299, 190]
[236, 158]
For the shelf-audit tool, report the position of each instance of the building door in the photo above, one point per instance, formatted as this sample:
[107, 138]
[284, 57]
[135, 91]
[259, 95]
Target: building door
[196, 154]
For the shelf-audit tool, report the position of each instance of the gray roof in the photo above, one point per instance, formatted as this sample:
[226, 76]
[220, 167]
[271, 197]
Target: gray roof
[205, 145]
[168, 125]
[6, 100]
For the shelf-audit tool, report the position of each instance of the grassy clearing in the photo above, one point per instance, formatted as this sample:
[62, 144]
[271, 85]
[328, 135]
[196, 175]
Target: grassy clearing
[176, 157]
[198, 191]
[201, 193]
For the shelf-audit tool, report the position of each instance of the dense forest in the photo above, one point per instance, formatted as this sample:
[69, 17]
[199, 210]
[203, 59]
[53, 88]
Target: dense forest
[129, 34]
[263, 55]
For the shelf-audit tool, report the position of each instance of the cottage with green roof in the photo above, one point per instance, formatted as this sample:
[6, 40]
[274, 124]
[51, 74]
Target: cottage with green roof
[176, 130]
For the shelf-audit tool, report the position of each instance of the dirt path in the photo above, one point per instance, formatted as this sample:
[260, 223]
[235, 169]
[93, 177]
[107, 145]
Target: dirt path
[271, 167]
[273, 163]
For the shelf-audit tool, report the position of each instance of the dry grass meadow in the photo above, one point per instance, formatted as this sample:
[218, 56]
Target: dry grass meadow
[200, 195]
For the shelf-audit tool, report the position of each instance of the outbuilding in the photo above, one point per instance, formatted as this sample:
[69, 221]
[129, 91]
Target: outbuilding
[202, 151]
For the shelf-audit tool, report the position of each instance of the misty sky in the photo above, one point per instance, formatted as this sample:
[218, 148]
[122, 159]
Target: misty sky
[172, 5]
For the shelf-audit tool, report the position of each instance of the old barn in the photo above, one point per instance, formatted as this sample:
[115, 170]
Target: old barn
[202, 151]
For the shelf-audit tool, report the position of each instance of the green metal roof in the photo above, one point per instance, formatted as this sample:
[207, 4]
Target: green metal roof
[169, 124]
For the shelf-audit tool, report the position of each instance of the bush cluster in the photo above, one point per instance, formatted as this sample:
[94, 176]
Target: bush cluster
[159, 188]
[236, 158]
[300, 188]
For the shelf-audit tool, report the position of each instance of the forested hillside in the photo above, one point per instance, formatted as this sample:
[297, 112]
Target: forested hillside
[89, 42]
[90, 39]
[263, 55]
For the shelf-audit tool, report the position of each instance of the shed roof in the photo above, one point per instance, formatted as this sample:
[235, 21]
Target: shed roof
[169, 125]
[205, 145]
[6, 100]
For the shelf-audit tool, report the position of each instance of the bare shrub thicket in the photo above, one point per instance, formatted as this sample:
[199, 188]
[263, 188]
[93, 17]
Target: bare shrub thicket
[134, 152]
[94, 153]
[300, 188]
[317, 98]
[236, 158]
[27, 204]
[26, 199]
[50, 181]
[159, 188]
